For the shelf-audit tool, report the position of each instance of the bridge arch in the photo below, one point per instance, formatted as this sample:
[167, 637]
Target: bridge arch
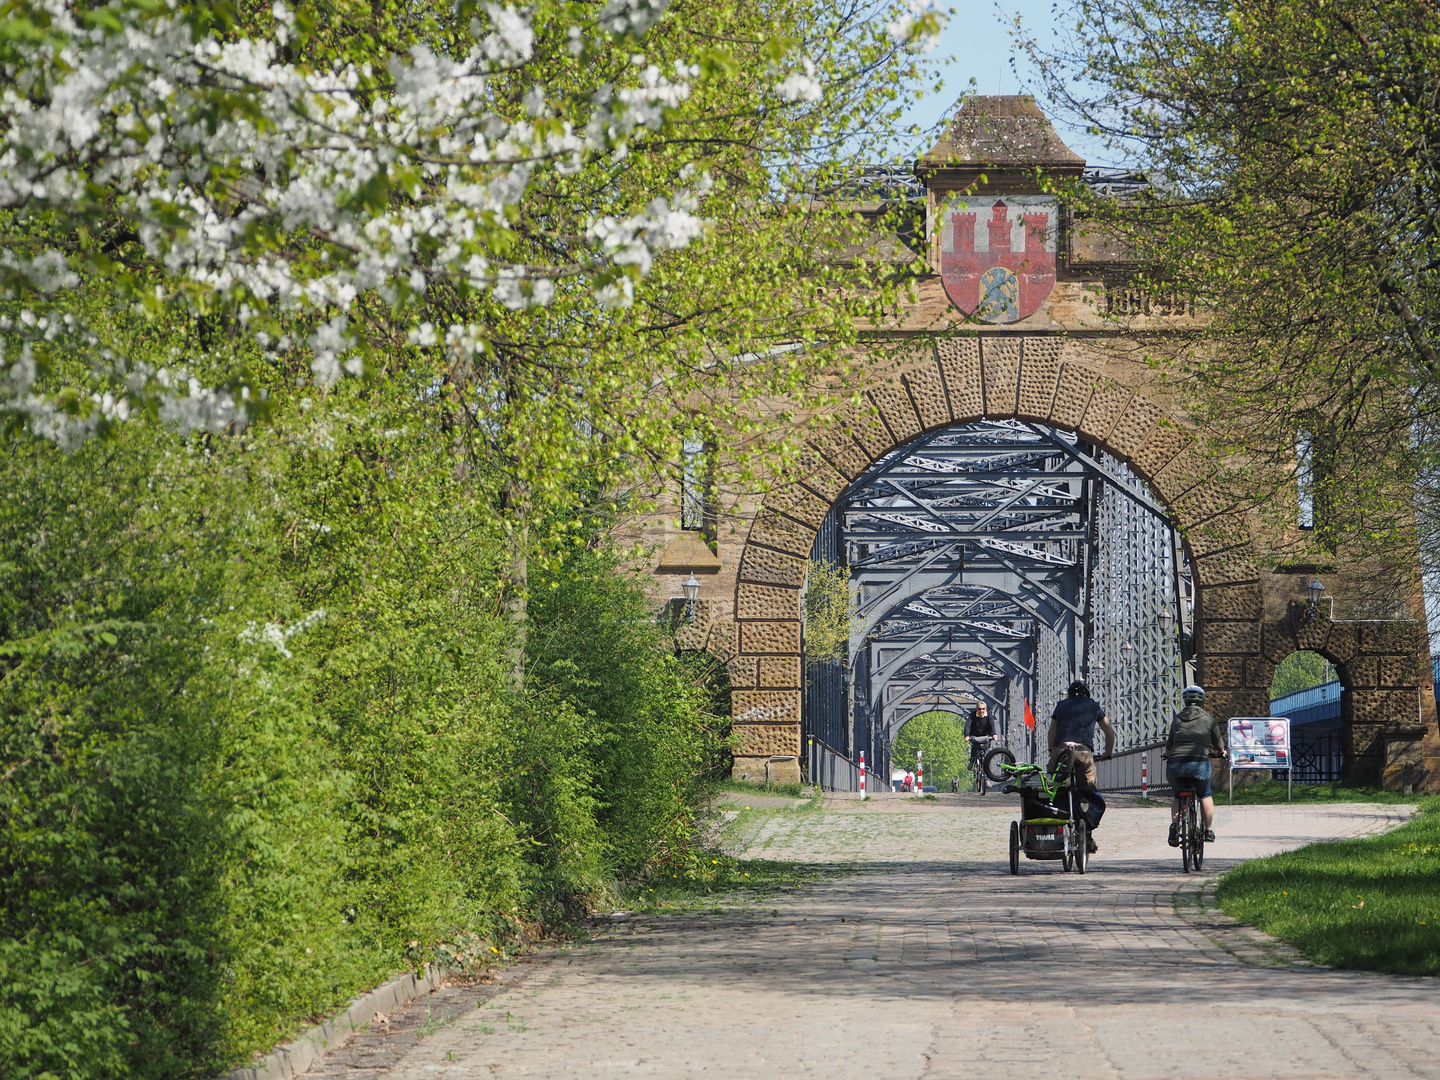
[962, 380]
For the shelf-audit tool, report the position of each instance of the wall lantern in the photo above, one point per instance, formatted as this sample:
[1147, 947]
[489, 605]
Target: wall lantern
[1167, 623]
[1316, 589]
[691, 589]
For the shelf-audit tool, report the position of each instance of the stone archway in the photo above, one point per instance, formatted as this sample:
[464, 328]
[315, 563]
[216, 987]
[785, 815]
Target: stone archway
[963, 380]
[1025, 313]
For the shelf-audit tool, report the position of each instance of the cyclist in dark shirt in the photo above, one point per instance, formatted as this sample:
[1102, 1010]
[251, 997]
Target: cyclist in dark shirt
[1072, 725]
[1072, 728]
[979, 729]
[1194, 737]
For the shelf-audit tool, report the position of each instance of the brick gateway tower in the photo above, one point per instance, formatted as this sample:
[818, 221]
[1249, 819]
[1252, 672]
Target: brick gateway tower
[1011, 325]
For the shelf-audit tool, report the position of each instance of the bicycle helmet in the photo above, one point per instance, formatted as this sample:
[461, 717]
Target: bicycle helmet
[1079, 689]
[1192, 695]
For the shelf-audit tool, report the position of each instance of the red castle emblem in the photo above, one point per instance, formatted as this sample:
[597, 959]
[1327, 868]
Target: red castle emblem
[997, 261]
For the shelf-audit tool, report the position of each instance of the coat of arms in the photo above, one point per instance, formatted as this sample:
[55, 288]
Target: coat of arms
[997, 258]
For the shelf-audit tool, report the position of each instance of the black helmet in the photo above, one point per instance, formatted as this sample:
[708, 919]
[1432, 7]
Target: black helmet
[1192, 694]
[1079, 689]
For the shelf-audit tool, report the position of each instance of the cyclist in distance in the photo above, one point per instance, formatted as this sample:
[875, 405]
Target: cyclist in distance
[977, 729]
[1194, 736]
[1072, 727]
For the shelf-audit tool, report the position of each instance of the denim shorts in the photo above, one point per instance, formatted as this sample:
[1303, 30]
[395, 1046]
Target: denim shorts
[1195, 770]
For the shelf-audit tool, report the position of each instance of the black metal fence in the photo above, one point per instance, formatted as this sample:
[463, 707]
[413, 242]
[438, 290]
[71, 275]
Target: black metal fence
[1318, 758]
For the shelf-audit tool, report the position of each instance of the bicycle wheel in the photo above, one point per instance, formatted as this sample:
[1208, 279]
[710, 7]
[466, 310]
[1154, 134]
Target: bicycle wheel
[1197, 840]
[1185, 836]
[1067, 848]
[1082, 848]
[983, 782]
[994, 759]
[1014, 847]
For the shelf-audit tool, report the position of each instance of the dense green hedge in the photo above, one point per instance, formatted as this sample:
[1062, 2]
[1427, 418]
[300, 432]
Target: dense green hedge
[260, 747]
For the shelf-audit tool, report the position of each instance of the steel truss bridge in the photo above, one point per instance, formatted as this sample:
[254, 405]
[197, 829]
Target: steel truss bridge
[997, 562]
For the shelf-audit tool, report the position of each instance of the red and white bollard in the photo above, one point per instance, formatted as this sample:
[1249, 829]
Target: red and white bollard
[1144, 776]
[862, 774]
[919, 773]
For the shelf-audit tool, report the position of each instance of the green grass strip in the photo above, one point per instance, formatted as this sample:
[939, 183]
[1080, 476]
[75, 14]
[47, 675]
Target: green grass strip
[1270, 792]
[1371, 904]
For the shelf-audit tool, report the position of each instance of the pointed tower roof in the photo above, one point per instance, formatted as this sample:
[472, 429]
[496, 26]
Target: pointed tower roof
[1008, 132]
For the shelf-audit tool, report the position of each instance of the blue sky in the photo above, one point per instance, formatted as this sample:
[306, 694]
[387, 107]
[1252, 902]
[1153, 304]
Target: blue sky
[977, 44]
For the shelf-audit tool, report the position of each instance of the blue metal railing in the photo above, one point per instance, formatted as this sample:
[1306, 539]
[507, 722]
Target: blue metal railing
[1324, 697]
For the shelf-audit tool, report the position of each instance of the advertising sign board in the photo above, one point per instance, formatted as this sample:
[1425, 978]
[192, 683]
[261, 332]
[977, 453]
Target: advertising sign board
[1259, 742]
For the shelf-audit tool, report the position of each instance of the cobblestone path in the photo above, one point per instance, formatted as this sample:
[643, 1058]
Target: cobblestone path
[930, 960]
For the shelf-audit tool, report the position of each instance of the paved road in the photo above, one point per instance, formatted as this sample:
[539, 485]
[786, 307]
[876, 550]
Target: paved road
[932, 961]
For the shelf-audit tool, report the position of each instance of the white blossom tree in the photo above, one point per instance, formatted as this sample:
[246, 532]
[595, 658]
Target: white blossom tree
[565, 210]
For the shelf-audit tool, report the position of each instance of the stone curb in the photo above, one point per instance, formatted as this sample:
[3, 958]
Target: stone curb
[293, 1058]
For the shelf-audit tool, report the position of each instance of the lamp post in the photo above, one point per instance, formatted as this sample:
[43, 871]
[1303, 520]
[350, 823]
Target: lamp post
[691, 590]
[1316, 589]
[1167, 622]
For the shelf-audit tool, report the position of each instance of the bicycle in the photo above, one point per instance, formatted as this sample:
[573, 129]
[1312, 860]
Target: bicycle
[978, 745]
[1189, 827]
[1189, 823]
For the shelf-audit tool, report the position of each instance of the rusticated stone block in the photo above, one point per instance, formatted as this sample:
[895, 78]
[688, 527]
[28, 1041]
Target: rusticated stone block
[766, 740]
[782, 534]
[779, 672]
[1226, 568]
[1362, 672]
[1402, 670]
[1000, 363]
[1249, 702]
[896, 411]
[771, 567]
[1184, 472]
[744, 672]
[1259, 672]
[766, 602]
[1220, 638]
[960, 365]
[1072, 395]
[1395, 637]
[1039, 374]
[841, 451]
[868, 430]
[724, 640]
[1135, 423]
[1385, 708]
[1217, 671]
[1245, 601]
[1226, 702]
[750, 768]
[769, 637]
[927, 390]
[765, 707]
[800, 503]
[1107, 404]
[820, 476]
[1159, 448]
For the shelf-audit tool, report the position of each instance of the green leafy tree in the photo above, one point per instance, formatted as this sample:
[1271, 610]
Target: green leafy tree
[1300, 671]
[941, 735]
[1295, 196]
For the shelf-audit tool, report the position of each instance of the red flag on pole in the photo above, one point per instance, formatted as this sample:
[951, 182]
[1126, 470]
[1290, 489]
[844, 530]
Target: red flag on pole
[1029, 716]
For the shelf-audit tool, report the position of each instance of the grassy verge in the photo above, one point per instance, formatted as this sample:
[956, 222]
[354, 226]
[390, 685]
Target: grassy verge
[746, 787]
[1273, 791]
[1372, 903]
